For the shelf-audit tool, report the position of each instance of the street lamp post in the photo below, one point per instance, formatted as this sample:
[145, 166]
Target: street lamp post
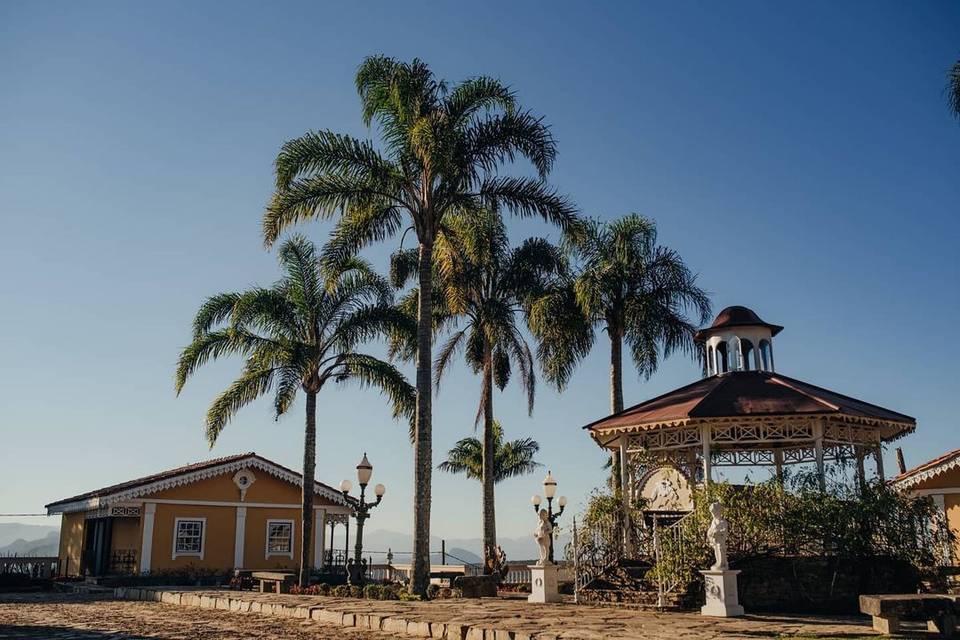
[357, 566]
[550, 490]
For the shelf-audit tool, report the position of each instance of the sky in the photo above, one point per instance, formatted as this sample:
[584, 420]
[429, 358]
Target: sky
[801, 158]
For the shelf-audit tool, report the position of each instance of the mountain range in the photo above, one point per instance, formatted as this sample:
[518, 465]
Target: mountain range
[46, 545]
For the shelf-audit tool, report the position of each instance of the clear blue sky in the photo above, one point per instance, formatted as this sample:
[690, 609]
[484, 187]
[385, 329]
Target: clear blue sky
[801, 158]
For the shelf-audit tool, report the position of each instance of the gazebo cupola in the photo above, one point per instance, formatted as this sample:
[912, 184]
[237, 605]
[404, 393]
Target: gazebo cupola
[738, 340]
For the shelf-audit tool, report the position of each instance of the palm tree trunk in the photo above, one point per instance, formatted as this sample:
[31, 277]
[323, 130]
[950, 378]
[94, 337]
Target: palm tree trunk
[616, 396]
[616, 371]
[489, 505]
[309, 471]
[423, 445]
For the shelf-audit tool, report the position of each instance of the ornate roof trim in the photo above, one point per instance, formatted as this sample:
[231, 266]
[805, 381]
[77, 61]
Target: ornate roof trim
[927, 471]
[896, 427]
[187, 476]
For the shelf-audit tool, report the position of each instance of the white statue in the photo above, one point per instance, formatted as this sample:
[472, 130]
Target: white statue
[717, 537]
[543, 535]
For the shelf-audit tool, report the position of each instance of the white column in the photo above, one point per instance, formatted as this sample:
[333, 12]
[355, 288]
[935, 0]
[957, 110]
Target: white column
[319, 526]
[818, 446]
[146, 543]
[239, 537]
[624, 495]
[707, 461]
[940, 501]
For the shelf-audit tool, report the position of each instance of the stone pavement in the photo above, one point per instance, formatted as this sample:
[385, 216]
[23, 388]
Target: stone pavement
[53, 616]
[504, 619]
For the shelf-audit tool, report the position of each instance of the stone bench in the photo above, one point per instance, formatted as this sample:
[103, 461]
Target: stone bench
[279, 581]
[940, 611]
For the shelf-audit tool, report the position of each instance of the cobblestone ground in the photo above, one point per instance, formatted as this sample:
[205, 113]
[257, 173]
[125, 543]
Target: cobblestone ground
[87, 617]
[91, 617]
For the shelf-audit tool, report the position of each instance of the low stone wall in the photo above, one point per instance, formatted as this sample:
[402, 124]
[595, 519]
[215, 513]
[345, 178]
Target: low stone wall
[819, 584]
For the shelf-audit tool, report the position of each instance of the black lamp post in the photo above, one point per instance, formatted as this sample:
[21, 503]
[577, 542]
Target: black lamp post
[550, 490]
[357, 566]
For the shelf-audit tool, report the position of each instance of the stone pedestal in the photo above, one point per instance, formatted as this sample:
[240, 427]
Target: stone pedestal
[543, 583]
[722, 598]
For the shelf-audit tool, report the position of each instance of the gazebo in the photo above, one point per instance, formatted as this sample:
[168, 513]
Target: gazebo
[742, 413]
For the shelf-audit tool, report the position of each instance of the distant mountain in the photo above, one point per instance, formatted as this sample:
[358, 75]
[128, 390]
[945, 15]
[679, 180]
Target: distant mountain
[46, 546]
[376, 543]
[11, 531]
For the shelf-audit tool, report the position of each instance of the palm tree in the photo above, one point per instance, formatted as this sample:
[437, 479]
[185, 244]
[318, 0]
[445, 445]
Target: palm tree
[953, 88]
[511, 459]
[481, 285]
[441, 151]
[633, 289]
[296, 336]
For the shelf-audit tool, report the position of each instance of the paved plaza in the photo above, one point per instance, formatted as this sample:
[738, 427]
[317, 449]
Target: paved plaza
[231, 615]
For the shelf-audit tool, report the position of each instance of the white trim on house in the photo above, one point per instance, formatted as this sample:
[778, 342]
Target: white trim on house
[146, 543]
[203, 537]
[935, 492]
[265, 505]
[319, 536]
[293, 534]
[189, 477]
[240, 530]
[928, 474]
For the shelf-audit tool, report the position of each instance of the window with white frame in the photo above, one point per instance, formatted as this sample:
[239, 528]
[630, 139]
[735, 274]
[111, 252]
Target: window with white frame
[189, 534]
[280, 538]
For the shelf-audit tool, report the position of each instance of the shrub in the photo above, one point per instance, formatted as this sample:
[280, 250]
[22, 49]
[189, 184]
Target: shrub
[432, 591]
[356, 591]
[391, 592]
[445, 593]
[341, 591]
[373, 592]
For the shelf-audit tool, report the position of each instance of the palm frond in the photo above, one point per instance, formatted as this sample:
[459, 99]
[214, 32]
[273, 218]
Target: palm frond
[213, 312]
[247, 388]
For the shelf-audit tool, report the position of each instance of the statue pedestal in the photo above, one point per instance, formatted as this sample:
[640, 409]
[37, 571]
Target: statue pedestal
[543, 583]
[722, 598]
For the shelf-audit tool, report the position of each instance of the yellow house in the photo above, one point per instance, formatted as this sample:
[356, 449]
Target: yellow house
[940, 479]
[240, 511]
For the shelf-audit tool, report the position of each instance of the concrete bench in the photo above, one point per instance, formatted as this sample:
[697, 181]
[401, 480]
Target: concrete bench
[279, 581]
[940, 611]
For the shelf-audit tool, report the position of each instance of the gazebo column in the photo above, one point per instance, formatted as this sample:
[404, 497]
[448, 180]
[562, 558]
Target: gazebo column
[778, 463]
[818, 450]
[625, 496]
[861, 474]
[878, 456]
[707, 461]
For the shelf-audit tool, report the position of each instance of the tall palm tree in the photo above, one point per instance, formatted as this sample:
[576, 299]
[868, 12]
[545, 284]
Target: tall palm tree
[482, 286]
[511, 459]
[953, 88]
[296, 336]
[442, 148]
[631, 288]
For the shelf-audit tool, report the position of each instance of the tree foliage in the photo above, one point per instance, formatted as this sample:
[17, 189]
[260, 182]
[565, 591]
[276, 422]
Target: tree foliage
[511, 459]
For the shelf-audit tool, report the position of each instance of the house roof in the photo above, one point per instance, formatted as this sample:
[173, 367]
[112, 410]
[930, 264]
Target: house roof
[736, 316]
[927, 470]
[748, 393]
[186, 475]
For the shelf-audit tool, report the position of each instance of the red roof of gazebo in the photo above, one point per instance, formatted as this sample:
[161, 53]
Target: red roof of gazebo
[748, 394]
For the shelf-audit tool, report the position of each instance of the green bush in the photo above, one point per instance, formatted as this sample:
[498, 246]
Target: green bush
[391, 592]
[797, 518]
[356, 591]
[341, 591]
[373, 592]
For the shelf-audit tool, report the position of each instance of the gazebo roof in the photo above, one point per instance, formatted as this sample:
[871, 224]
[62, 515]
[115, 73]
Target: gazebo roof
[750, 394]
[736, 316]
